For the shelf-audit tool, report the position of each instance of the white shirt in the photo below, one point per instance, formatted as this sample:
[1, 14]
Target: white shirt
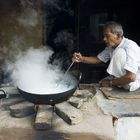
[128, 58]
[133, 55]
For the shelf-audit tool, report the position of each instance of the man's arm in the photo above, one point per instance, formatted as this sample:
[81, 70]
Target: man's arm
[124, 80]
[77, 57]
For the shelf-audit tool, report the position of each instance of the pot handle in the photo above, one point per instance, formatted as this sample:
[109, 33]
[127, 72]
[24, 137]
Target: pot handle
[3, 94]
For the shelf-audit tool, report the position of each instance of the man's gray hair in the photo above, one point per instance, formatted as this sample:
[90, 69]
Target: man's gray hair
[116, 28]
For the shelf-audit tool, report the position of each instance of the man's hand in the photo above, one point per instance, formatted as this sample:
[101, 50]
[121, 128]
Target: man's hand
[105, 83]
[77, 57]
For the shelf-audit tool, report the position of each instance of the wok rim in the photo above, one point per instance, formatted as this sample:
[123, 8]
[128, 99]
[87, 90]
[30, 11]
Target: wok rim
[42, 94]
[50, 99]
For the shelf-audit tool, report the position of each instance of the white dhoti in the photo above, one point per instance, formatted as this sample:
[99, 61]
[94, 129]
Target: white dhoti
[116, 68]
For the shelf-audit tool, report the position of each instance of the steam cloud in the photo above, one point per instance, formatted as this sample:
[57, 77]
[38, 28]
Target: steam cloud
[33, 73]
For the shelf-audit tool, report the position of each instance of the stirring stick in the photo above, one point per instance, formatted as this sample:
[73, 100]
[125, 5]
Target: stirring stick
[65, 73]
[69, 67]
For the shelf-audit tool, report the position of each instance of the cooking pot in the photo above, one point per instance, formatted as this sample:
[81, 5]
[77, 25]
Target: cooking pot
[51, 99]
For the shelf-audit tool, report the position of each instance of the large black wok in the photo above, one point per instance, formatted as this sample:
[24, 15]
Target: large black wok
[51, 99]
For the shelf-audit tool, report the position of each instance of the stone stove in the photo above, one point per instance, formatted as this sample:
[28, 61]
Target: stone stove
[69, 110]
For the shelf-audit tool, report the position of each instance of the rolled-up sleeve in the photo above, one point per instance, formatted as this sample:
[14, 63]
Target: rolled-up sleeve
[104, 56]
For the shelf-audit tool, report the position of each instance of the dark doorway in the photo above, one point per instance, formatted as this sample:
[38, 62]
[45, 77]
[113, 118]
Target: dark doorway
[76, 25]
[92, 14]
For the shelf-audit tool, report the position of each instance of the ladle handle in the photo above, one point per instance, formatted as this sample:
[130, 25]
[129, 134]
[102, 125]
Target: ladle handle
[69, 67]
[80, 76]
[2, 94]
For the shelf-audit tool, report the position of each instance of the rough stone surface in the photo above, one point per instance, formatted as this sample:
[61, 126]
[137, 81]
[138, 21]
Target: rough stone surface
[7, 102]
[94, 122]
[128, 128]
[83, 94]
[43, 120]
[22, 109]
[69, 113]
[120, 93]
[119, 107]
[90, 87]
[76, 102]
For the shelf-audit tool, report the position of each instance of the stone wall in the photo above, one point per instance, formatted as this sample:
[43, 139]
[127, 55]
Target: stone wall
[20, 27]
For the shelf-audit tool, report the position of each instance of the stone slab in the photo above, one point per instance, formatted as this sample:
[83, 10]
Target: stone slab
[127, 128]
[83, 94]
[43, 120]
[90, 87]
[76, 102]
[7, 102]
[80, 97]
[69, 113]
[120, 93]
[119, 107]
[22, 109]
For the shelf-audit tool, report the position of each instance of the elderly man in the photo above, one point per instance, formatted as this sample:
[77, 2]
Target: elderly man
[124, 56]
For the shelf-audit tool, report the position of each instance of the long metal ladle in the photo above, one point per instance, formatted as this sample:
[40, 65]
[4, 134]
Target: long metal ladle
[69, 67]
[65, 72]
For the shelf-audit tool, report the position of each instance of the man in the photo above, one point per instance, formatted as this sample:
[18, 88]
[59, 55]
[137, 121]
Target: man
[124, 56]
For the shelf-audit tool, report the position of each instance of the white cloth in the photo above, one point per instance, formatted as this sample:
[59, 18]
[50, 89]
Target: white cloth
[117, 63]
[125, 57]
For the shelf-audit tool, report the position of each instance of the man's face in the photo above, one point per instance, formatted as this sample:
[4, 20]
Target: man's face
[110, 38]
